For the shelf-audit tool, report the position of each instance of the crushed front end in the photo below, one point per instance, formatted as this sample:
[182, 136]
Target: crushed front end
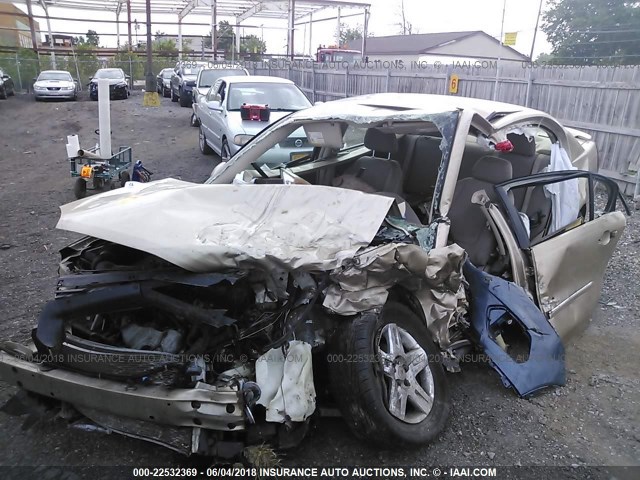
[141, 347]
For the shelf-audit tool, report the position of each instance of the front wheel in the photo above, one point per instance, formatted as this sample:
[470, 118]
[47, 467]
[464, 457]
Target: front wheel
[202, 142]
[225, 152]
[184, 101]
[387, 378]
[80, 188]
[174, 97]
[124, 178]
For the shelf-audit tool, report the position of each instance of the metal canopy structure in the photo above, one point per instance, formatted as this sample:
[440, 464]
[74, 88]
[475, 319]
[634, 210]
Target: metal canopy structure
[294, 11]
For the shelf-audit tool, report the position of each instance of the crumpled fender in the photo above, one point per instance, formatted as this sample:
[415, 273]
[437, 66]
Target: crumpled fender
[494, 301]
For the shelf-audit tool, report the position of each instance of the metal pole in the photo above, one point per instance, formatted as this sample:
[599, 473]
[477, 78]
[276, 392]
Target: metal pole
[150, 87]
[495, 87]
[32, 27]
[18, 70]
[290, 36]
[311, 34]
[237, 47]
[535, 32]
[129, 24]
[338, 28]
[527, 97]
[51, 43]
[214, 29]
[118, 28]
[365, 32]
[179, 38]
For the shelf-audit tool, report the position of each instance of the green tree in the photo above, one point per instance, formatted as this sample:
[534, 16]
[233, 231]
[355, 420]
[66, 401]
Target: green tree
[253, 47]
[88, 61]
[225, 36]
[348, 34]
[93, 38]
[593, 32]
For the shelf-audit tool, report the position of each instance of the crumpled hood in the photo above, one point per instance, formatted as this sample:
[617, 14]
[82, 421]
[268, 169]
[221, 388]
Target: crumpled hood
[211, 227]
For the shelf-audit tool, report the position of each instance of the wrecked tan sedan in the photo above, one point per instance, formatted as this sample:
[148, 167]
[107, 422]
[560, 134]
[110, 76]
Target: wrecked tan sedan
[211, 317]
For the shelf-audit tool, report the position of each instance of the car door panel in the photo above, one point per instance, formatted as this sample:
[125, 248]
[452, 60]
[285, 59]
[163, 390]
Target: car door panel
[217, 119]
[568, 265]
[569, 270]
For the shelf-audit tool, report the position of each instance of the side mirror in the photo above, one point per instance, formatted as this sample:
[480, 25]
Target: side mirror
[242, 139]
[214, 105]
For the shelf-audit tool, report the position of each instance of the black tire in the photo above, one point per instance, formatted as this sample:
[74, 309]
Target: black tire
[202, 143]
[124, 178]
[184, 101]
[13, 91]
[194, 122]
[361, 388]
[174, 97]
[225, 152]
[3, 94]
[166, 93]
[80, 188]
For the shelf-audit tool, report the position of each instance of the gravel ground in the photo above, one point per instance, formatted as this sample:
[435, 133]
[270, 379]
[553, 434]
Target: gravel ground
[593, 420]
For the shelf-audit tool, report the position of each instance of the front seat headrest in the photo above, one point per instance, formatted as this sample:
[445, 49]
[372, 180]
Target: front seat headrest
[522, 145]
[492, 170]
[379, 141]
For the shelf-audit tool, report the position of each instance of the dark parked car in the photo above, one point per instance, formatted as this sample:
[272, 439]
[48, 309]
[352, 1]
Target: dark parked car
[118, 83]
[163, 82]
[183, 80]
[6, 85]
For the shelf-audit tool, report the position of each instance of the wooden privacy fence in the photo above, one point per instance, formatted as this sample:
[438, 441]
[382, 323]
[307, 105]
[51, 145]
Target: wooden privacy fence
[602, 101]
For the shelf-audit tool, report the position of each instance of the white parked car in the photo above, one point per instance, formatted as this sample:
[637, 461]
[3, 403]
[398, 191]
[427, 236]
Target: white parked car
[55, 84]
[223, 129]
[206, 78]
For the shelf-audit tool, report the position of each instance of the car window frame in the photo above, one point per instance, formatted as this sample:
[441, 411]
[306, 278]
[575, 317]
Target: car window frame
[540, 179]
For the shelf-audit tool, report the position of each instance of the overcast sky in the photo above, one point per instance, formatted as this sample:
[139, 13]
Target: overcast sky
[426, 16]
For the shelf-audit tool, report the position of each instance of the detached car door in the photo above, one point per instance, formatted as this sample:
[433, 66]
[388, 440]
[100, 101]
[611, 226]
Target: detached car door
[569, 253]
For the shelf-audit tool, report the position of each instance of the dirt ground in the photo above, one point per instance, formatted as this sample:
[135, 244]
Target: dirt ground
[593, 420]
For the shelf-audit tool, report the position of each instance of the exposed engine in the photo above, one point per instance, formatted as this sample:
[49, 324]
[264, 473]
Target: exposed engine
[159, 324]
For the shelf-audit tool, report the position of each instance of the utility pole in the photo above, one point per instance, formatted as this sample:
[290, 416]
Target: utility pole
[151, 98]
[495, 87]
[129, 23]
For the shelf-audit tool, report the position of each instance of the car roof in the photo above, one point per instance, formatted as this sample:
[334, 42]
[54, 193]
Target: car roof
[111, 68]
[55, 71]
[256, 79]
[380, 104]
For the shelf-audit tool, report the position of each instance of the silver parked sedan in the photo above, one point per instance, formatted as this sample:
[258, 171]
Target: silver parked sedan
[206, 78]
[237, 108]
[55, 84]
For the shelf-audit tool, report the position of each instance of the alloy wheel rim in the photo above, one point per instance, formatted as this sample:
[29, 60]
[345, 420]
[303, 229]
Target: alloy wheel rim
[410, 390]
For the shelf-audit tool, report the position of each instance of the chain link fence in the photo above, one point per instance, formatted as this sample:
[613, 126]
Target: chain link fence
[24, 67]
